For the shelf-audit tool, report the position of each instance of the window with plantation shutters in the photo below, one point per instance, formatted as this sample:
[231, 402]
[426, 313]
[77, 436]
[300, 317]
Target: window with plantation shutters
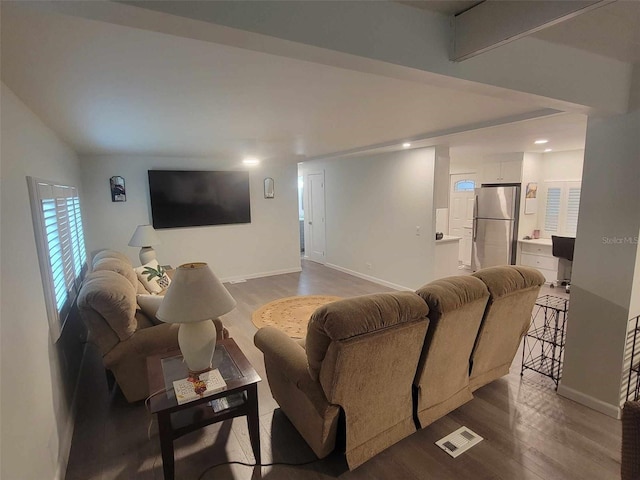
[573, 206]
[562, 205]
[552, 210]
[62, 255]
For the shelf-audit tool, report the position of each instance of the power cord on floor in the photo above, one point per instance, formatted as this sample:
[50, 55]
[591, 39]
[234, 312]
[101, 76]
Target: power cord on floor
[245, 464]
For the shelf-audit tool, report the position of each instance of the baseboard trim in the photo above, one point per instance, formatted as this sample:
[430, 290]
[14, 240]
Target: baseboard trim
[261, 274]
[589, 401]
[379, 281]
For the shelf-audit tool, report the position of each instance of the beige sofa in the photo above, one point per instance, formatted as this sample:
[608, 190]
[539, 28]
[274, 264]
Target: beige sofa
[360, 355]
[124, 334]
[368, 361]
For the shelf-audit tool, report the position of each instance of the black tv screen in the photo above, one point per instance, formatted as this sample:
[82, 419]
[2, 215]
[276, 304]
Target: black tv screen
[196, 198]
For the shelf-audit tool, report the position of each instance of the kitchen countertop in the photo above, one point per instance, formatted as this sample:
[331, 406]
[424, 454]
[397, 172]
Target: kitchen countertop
[537, 241]
[448, 238]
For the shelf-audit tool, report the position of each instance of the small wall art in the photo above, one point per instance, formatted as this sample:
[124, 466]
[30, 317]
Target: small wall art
[118, 192]
[269, 188]
[531, 199]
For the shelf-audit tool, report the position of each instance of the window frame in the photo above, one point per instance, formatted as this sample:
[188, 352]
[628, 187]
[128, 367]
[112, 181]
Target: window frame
[565, 187]
[56, 215]
[456, 184]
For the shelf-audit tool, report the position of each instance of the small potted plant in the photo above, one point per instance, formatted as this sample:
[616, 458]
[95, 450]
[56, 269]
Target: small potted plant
[160, 272]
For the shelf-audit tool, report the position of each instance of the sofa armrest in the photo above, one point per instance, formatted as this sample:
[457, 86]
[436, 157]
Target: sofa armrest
[283, 351]
[144, 343]
[290, 360]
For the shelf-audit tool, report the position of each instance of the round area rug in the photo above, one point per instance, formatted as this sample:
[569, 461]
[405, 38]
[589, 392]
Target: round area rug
[290, 314]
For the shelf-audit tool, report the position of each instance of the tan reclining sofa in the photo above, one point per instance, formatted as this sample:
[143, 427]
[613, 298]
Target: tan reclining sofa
[368, 360]
[124, 334]
[359, 360]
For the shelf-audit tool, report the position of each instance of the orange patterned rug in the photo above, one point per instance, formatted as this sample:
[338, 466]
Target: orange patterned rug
[290, 314]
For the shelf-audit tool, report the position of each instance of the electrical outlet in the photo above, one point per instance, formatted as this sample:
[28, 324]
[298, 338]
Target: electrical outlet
[417, 230]
[369, 266]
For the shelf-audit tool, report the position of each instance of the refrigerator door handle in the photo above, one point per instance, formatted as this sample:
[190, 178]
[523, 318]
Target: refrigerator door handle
[474, 231]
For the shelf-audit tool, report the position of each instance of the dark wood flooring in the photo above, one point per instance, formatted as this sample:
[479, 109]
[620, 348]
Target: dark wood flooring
[529, 431]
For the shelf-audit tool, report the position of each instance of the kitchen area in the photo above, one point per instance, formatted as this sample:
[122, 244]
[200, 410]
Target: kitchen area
[504, 209]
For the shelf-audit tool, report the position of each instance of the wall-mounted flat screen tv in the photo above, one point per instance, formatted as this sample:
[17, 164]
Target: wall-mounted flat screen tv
[195, 198]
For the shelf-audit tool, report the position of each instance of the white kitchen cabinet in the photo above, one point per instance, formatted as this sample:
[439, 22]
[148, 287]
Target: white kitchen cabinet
[538, 254]
[446, 257]
[508, 171]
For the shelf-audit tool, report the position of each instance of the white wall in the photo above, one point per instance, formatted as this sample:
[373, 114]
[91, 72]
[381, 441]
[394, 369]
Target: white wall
[36, 422]
[604, 266]
[268, 245]
[465, 165]
[562, 166]
[530, 174]
[373, 205]
[634, 308]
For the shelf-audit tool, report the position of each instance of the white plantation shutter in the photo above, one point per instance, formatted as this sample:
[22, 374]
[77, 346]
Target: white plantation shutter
[552, 209]
[561, 208]
[61, 251]
[573, 206]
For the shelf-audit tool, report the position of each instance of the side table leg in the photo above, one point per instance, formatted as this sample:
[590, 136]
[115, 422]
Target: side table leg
[166, 444]
[253, 421]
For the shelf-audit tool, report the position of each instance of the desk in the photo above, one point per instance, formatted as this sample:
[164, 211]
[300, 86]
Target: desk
[537, 253]
[176, 420]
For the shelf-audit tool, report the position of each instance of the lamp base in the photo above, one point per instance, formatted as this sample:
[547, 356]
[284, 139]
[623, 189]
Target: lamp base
[146, 255]
[197, 342]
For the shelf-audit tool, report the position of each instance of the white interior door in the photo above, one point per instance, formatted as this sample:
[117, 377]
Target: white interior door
[461, 212]
[315, 218]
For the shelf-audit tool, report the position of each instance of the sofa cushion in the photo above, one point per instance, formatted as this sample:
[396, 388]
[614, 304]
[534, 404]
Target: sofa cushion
[149, 304]
[110, 254]
[153, 285]
[118, 266]
[355, 316]
[505, 280]
[108, 294]
[451, 293]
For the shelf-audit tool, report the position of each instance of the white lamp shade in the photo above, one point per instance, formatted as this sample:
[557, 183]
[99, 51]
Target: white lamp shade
[144, 236]
[195, 294]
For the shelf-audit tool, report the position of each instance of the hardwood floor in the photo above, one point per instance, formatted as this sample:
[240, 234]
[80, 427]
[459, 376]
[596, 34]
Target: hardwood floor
[529, 432]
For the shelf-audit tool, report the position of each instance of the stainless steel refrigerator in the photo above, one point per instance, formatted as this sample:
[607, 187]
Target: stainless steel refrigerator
[495, 226]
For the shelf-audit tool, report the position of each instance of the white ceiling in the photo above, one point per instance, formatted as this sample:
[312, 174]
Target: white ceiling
[109, 89]
[612, 30]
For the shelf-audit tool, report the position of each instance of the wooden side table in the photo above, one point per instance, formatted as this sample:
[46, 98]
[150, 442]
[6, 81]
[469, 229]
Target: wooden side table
[176, 420]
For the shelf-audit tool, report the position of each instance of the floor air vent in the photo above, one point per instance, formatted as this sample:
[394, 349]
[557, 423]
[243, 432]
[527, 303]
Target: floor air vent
[459, 441]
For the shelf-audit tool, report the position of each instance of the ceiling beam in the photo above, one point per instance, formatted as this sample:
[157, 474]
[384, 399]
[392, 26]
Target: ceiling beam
[491, 24]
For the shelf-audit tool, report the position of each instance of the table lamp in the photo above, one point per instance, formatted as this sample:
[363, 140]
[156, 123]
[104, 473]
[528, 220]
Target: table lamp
[194, 298]
[145, 236]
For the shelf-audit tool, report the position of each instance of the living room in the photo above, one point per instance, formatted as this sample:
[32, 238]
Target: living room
[269, 245]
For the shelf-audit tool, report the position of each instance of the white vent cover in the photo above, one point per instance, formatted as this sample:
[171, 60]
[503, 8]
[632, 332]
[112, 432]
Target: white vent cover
[459, 441]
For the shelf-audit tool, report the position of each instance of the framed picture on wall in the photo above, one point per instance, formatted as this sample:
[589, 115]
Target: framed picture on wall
[531, 199]
[118, 192]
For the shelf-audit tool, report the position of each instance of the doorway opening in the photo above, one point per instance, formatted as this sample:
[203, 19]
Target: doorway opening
[301, 211]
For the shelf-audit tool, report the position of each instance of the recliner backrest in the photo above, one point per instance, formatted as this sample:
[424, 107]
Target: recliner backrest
[364, 352]
[456, 306]
[513, 291]
[107, 304]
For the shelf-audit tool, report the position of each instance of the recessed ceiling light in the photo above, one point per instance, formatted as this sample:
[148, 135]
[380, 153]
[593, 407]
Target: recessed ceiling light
[542, 141]
[547, 149]
[251, 161]
[406, 145]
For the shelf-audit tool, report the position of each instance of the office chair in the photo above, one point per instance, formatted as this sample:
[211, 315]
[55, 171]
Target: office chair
[562, 247]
